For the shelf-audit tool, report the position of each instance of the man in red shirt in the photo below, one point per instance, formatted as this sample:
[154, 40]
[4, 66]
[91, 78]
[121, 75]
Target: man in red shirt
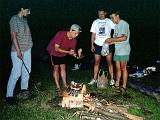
[63, 43]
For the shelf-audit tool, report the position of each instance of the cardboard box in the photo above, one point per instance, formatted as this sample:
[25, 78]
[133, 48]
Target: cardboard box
[72, 101]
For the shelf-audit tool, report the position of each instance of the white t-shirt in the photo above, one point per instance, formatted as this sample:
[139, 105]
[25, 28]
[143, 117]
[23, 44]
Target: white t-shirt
[102, 29]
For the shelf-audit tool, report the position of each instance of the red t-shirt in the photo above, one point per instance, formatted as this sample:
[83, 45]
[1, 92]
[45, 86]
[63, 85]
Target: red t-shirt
[62, 40]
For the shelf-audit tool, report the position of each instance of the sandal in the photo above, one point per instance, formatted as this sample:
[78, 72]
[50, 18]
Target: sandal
[58, 90]
[123, 90]
[117, 90]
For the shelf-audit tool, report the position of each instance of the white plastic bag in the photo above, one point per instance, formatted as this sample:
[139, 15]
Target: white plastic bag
[105, 49]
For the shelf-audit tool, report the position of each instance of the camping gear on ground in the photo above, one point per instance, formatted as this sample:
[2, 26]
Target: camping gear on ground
[102, 81]
[76, 67]
[143, 72]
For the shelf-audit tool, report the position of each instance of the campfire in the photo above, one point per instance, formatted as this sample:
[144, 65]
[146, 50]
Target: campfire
[74, 97]
[91, 108]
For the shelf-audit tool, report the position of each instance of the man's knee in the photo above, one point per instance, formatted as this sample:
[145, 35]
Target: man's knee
[56, 68]
[96, 62]
[123, 68]
[63, 67]
[109, 63]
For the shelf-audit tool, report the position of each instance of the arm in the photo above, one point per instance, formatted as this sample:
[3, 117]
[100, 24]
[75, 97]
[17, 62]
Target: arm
[116, 39]
[14, 30]
[16, 44]
[93, 35]
[58, 49]
[123, 37]
[92, 41]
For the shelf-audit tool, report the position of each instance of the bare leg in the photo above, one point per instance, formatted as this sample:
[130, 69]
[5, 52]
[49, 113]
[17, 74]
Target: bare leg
[56, 75]
[124, 73]
[118, 73]
[96, 65]
[63, 74]
[110, 65]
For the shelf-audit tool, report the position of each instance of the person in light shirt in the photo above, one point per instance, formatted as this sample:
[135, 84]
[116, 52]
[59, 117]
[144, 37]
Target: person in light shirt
[100, 31]
[20, 50]
[122, 49]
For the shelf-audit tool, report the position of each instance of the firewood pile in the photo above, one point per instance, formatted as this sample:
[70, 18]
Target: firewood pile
[91, 108]
[106, 110]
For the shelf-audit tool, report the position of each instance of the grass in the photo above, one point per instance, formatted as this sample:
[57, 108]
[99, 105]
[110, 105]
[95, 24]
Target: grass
[147, 106]
[38, 108]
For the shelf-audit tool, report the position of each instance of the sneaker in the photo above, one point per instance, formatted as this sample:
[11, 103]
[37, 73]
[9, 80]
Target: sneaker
[76, 67]
[11, 101]
[92, 82]
[112, 82]
[23, 95]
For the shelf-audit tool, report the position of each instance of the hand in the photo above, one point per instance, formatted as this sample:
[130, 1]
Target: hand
[79, 52]
[19, 55]
[92, 48]
[109, 41]
[71, 52]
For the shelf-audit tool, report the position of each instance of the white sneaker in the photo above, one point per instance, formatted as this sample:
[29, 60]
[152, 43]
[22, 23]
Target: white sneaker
[76, 67]
[92, 82]
[112, 82]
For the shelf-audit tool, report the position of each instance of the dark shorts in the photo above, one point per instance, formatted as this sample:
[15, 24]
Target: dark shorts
[59, 60]
[99, 48]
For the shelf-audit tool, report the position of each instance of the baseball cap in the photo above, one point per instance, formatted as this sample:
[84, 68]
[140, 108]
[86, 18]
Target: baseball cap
[76, 28]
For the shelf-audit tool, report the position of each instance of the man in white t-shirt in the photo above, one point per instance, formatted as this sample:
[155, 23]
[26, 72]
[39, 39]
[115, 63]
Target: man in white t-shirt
[101, 31]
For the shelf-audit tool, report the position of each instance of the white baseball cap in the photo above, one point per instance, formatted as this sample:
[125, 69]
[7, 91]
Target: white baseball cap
[76, 28]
